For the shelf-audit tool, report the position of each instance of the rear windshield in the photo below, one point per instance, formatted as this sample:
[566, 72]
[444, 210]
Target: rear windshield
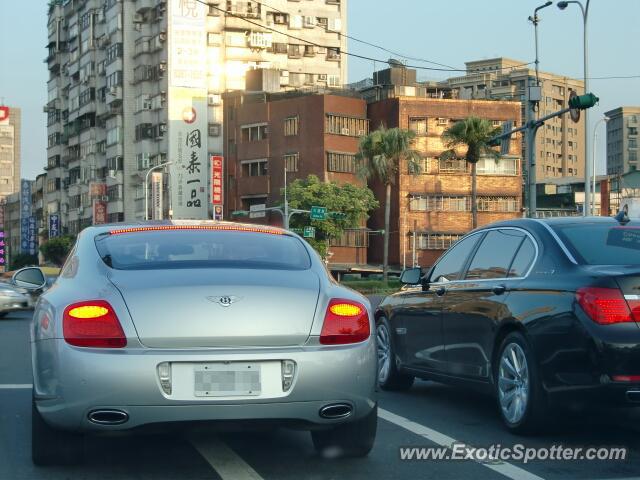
[173, 249]
[598, 244]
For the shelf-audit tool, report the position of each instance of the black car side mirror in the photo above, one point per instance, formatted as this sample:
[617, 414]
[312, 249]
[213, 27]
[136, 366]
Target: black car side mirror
[411, 276]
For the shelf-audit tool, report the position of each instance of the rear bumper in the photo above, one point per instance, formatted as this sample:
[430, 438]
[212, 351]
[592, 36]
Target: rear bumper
[71, 382]
[612, 395]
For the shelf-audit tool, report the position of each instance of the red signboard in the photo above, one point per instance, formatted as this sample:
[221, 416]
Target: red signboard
[97, 189]
[4, 113]
[216, 180]
[99, 212]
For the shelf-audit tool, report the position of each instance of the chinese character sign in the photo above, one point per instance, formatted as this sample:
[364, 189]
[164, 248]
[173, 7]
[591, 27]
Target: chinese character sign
[25, 213]
[3, 250]
[188, 44]
[156, 195]
[33, 236]
[217, 165]
[54, 225]
[99, 212]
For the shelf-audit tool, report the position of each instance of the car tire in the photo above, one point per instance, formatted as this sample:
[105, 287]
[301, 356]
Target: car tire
[3, 314]
[53, 447]
[521, 384]
[389, 378]
[353, 439]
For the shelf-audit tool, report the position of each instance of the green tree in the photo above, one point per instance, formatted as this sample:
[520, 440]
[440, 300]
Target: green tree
[55, 250]
[380, 156]
[473, 134]
[23, 260]
[351, 200]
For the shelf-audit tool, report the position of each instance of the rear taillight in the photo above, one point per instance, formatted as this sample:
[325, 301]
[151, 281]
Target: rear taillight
[605, 306]
[345, 322]
[626, 378]
[93, 324]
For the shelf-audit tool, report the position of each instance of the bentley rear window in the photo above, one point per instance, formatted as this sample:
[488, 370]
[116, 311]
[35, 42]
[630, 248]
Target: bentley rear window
[601, 244]
[171, 249]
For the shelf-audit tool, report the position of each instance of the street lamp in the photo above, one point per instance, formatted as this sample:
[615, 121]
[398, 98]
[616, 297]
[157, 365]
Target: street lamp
[595, 137]
[585, 13]
[146, 187]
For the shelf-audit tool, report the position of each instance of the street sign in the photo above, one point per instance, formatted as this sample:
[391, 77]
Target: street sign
[574, 112]
[309, 232]
[299, 231]
[257, 211]
[505, 142]
[318, 213]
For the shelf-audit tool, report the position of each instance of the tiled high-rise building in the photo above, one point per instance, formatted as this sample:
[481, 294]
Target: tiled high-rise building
[131, 82]
[622, 140]
[560, 143]
[10, 130]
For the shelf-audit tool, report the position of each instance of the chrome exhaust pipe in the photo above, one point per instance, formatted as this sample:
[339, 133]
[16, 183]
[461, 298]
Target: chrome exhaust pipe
[108, 417]
[633, 396]
[336, 410]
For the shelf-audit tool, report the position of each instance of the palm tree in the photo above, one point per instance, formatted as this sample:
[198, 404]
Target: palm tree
[474, 134]
[380, 156]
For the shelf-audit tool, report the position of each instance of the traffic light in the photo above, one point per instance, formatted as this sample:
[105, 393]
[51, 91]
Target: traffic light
[582, 102]
[337, 215]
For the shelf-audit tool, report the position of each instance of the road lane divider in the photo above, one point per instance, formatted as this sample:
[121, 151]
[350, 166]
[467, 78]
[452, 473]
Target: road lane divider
[15, 386]
[227, 463]
[507, 469]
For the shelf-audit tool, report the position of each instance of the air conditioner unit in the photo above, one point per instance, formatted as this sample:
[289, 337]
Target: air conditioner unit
[322, 77]
[213, 99]
[162, 36]
[112, 173]
[138, 18]
[104, 198]
[162, 66]
[113, 90]
[362, 133]
[345, 131]
[79, 210]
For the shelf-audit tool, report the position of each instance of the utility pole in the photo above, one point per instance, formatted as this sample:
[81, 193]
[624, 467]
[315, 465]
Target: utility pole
[286, 203]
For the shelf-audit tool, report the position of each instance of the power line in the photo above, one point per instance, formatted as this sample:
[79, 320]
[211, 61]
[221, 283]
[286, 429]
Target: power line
[614, 77]
[350, 37]
[363, 57]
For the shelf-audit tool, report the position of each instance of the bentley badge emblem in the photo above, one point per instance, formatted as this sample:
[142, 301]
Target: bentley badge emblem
[225, 300]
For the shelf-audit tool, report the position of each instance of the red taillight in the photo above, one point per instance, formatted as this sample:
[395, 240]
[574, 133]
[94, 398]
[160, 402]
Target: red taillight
[92, 324]
[604, 305]
[626, 378]
[345, 322]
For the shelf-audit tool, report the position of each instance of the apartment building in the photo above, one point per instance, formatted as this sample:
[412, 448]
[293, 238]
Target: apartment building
[560, 143]
[10, 131]
[314, 132]
[622, 140]
[136, 84]
[432, 210]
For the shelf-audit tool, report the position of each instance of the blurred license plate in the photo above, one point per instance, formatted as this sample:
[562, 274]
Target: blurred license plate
[227, 379]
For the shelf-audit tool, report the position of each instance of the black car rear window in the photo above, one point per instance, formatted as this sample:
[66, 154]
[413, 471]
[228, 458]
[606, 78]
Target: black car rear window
[173, 249]
[601, 244]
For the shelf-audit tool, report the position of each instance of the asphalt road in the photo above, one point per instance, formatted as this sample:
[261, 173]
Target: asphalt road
[426, 416]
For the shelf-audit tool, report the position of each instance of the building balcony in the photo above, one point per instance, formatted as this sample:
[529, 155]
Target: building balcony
[253, 150]
[260, 185]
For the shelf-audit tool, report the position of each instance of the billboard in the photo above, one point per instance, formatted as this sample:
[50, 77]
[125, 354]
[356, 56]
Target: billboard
[187, 104]
[217, 189]
[156, 195]
[54, 225]
[25, 213]
[99, 212]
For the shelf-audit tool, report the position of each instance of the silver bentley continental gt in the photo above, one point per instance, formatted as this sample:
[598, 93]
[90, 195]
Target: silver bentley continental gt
[164, 323]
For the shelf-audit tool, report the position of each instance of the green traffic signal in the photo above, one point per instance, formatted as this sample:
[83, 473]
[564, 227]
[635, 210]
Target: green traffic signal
[582, 102]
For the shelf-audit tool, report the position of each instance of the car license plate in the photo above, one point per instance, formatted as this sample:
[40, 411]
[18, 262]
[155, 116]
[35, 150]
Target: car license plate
[227, 379]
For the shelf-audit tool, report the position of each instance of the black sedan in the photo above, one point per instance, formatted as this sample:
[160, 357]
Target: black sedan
[538, 312]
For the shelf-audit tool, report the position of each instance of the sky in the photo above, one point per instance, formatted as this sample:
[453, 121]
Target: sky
[447, 32]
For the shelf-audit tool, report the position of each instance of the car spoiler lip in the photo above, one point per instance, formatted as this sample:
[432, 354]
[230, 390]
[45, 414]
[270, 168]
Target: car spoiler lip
[222, 227]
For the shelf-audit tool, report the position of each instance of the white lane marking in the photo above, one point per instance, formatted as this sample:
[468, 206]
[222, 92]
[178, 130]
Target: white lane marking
[15, 386]
[506, 469]
[224, 461]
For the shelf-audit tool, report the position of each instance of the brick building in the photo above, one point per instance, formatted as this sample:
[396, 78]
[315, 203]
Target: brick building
[436, 204]
[311, 132]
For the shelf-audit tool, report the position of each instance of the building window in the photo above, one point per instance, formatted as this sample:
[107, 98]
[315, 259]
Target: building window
[342, 125]
[452, 165]
[498, 204]
[291, 162]
[254, 133]
[439, 203]
[291, 126]
[254, 168]
[504, 166]
[436, 241]
[114, 192]
[442, 122]
[353, 238]
[341, 162]
[214, 10]
[418, 125]
[214, 129]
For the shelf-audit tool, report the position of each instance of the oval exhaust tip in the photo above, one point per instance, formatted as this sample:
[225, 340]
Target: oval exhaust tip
[336, 410]
[108, 417]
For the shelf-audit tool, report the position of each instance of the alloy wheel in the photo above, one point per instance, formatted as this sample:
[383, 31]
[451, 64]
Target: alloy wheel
[384, 352]
[513, 383]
